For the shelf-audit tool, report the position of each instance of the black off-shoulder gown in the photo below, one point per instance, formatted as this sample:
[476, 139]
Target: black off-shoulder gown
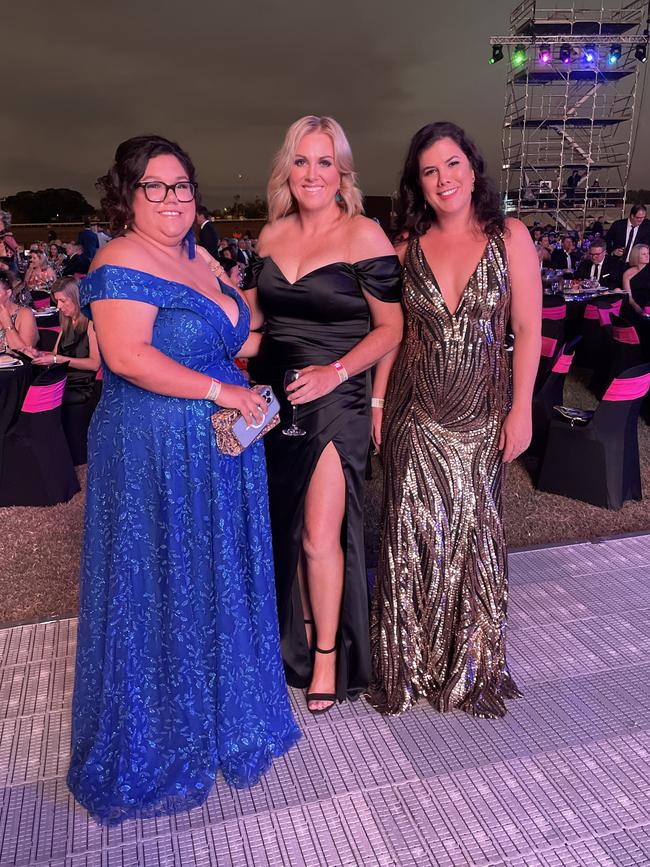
[316, 320]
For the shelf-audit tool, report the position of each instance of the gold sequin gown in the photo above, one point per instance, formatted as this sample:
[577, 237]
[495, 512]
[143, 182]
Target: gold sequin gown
[439, 606]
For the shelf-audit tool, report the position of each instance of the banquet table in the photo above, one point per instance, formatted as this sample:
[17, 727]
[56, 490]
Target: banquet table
[14, 382]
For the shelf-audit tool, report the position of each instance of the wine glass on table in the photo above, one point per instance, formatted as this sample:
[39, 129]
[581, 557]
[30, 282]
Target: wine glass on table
[293, 430]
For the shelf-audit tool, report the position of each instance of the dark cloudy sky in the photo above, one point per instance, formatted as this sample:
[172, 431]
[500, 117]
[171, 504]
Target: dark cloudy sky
[226, 78]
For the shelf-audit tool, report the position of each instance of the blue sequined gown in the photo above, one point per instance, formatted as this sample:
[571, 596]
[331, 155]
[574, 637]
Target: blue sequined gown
[178, 668]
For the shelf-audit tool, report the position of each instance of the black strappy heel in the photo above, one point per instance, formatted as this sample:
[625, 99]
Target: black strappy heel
[321, 696]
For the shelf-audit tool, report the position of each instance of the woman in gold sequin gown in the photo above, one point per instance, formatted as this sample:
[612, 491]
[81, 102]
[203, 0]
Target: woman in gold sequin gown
[439, 606]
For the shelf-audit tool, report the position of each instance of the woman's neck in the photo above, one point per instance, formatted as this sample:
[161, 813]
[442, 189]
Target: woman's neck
[457, 225]
[319, 222]
[172, 251]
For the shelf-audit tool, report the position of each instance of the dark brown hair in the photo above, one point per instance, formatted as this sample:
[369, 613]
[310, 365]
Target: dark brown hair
[414, 215]
[131, 158]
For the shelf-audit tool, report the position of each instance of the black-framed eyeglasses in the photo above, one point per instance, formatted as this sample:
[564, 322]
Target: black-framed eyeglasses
[156, 191]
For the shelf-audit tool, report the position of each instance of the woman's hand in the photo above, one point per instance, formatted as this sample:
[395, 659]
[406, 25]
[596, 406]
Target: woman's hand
[251, 405]
[516, 434]
[43, 358]
[314, 381]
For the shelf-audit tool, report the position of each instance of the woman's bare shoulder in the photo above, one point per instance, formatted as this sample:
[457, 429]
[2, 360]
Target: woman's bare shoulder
[274, 232]
[516, 231]
[368, 239]
[124, 253]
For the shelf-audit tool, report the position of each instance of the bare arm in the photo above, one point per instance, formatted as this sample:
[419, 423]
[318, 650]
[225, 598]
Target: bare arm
[92, 362]
[124, 331]
[526, 321]
[627, 288]
[26, 327]
[382, 372]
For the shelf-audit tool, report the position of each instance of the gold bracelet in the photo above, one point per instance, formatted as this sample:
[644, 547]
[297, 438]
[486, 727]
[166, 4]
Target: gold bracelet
[213, 391]
[377, 402]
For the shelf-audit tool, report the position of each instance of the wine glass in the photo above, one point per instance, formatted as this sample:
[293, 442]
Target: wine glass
[292, 431]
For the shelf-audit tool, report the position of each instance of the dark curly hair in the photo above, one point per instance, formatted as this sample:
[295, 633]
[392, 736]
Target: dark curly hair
[414, 215]
[131, 158]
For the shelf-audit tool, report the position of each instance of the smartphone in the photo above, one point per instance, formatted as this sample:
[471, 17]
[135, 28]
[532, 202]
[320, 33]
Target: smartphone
[246, 435]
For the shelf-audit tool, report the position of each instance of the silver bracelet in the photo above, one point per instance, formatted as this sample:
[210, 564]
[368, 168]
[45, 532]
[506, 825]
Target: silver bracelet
[377, 402]
[213, 391]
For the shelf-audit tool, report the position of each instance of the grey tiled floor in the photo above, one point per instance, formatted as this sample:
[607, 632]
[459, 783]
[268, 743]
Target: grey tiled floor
[563, 780]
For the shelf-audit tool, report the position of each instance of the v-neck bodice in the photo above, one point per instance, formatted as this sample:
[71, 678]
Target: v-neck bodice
[468, 346]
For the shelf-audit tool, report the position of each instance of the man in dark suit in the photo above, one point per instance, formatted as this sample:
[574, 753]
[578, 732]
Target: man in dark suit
[208, 236]
[243, 254]
[607, 270]
[624, 234]
[566, 258]
[77, 261]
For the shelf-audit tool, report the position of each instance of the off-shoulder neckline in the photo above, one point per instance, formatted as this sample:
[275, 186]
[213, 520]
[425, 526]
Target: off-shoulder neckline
[327, 265]
[178, 283]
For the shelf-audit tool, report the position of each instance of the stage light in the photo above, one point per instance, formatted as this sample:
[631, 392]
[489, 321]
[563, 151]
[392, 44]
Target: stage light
[640, 52]
[590, 53]
[497, 54]
[565, 53]
[614, 55]
[519, 56]
[545, 54]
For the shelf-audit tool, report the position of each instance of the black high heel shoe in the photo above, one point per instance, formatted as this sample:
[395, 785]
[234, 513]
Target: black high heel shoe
[321, 696]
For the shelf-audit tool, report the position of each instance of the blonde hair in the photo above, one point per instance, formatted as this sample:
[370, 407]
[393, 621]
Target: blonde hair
[69, 287]
[279, 198]
[635, 253]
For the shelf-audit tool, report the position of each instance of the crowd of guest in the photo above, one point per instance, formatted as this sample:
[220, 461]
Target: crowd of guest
[615, 258]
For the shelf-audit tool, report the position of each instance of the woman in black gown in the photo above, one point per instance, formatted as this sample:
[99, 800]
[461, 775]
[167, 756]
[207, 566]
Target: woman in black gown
[636, 280]
[321, 283]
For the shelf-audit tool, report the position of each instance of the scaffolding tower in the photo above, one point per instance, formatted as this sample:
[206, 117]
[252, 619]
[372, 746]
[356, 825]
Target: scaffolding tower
[571, 106]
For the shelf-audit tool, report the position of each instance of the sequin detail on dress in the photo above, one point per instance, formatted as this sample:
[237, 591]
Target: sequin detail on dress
[439, 607]
[178, 670]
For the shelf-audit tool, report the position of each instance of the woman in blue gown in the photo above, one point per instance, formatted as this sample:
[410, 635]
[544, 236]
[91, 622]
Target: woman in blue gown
[178, 668]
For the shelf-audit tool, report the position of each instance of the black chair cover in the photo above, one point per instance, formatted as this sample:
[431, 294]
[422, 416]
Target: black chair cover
[598, 463]
[37, 469]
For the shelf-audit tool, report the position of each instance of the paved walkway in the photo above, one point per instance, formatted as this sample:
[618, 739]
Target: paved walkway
[564, 779]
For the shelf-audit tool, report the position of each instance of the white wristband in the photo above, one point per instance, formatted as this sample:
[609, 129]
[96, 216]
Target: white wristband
[213, 391]
[377, 402]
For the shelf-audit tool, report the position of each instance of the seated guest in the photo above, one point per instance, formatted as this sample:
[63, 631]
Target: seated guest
[8, 246]
[544, 252]
[597, 265]
[77, 344]
[40, 274]
[208, 236]
[17, 324]
[78, 262]
[624, 234]
[566, 258]
[88, 240]
[636, 280]
[56, 255]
